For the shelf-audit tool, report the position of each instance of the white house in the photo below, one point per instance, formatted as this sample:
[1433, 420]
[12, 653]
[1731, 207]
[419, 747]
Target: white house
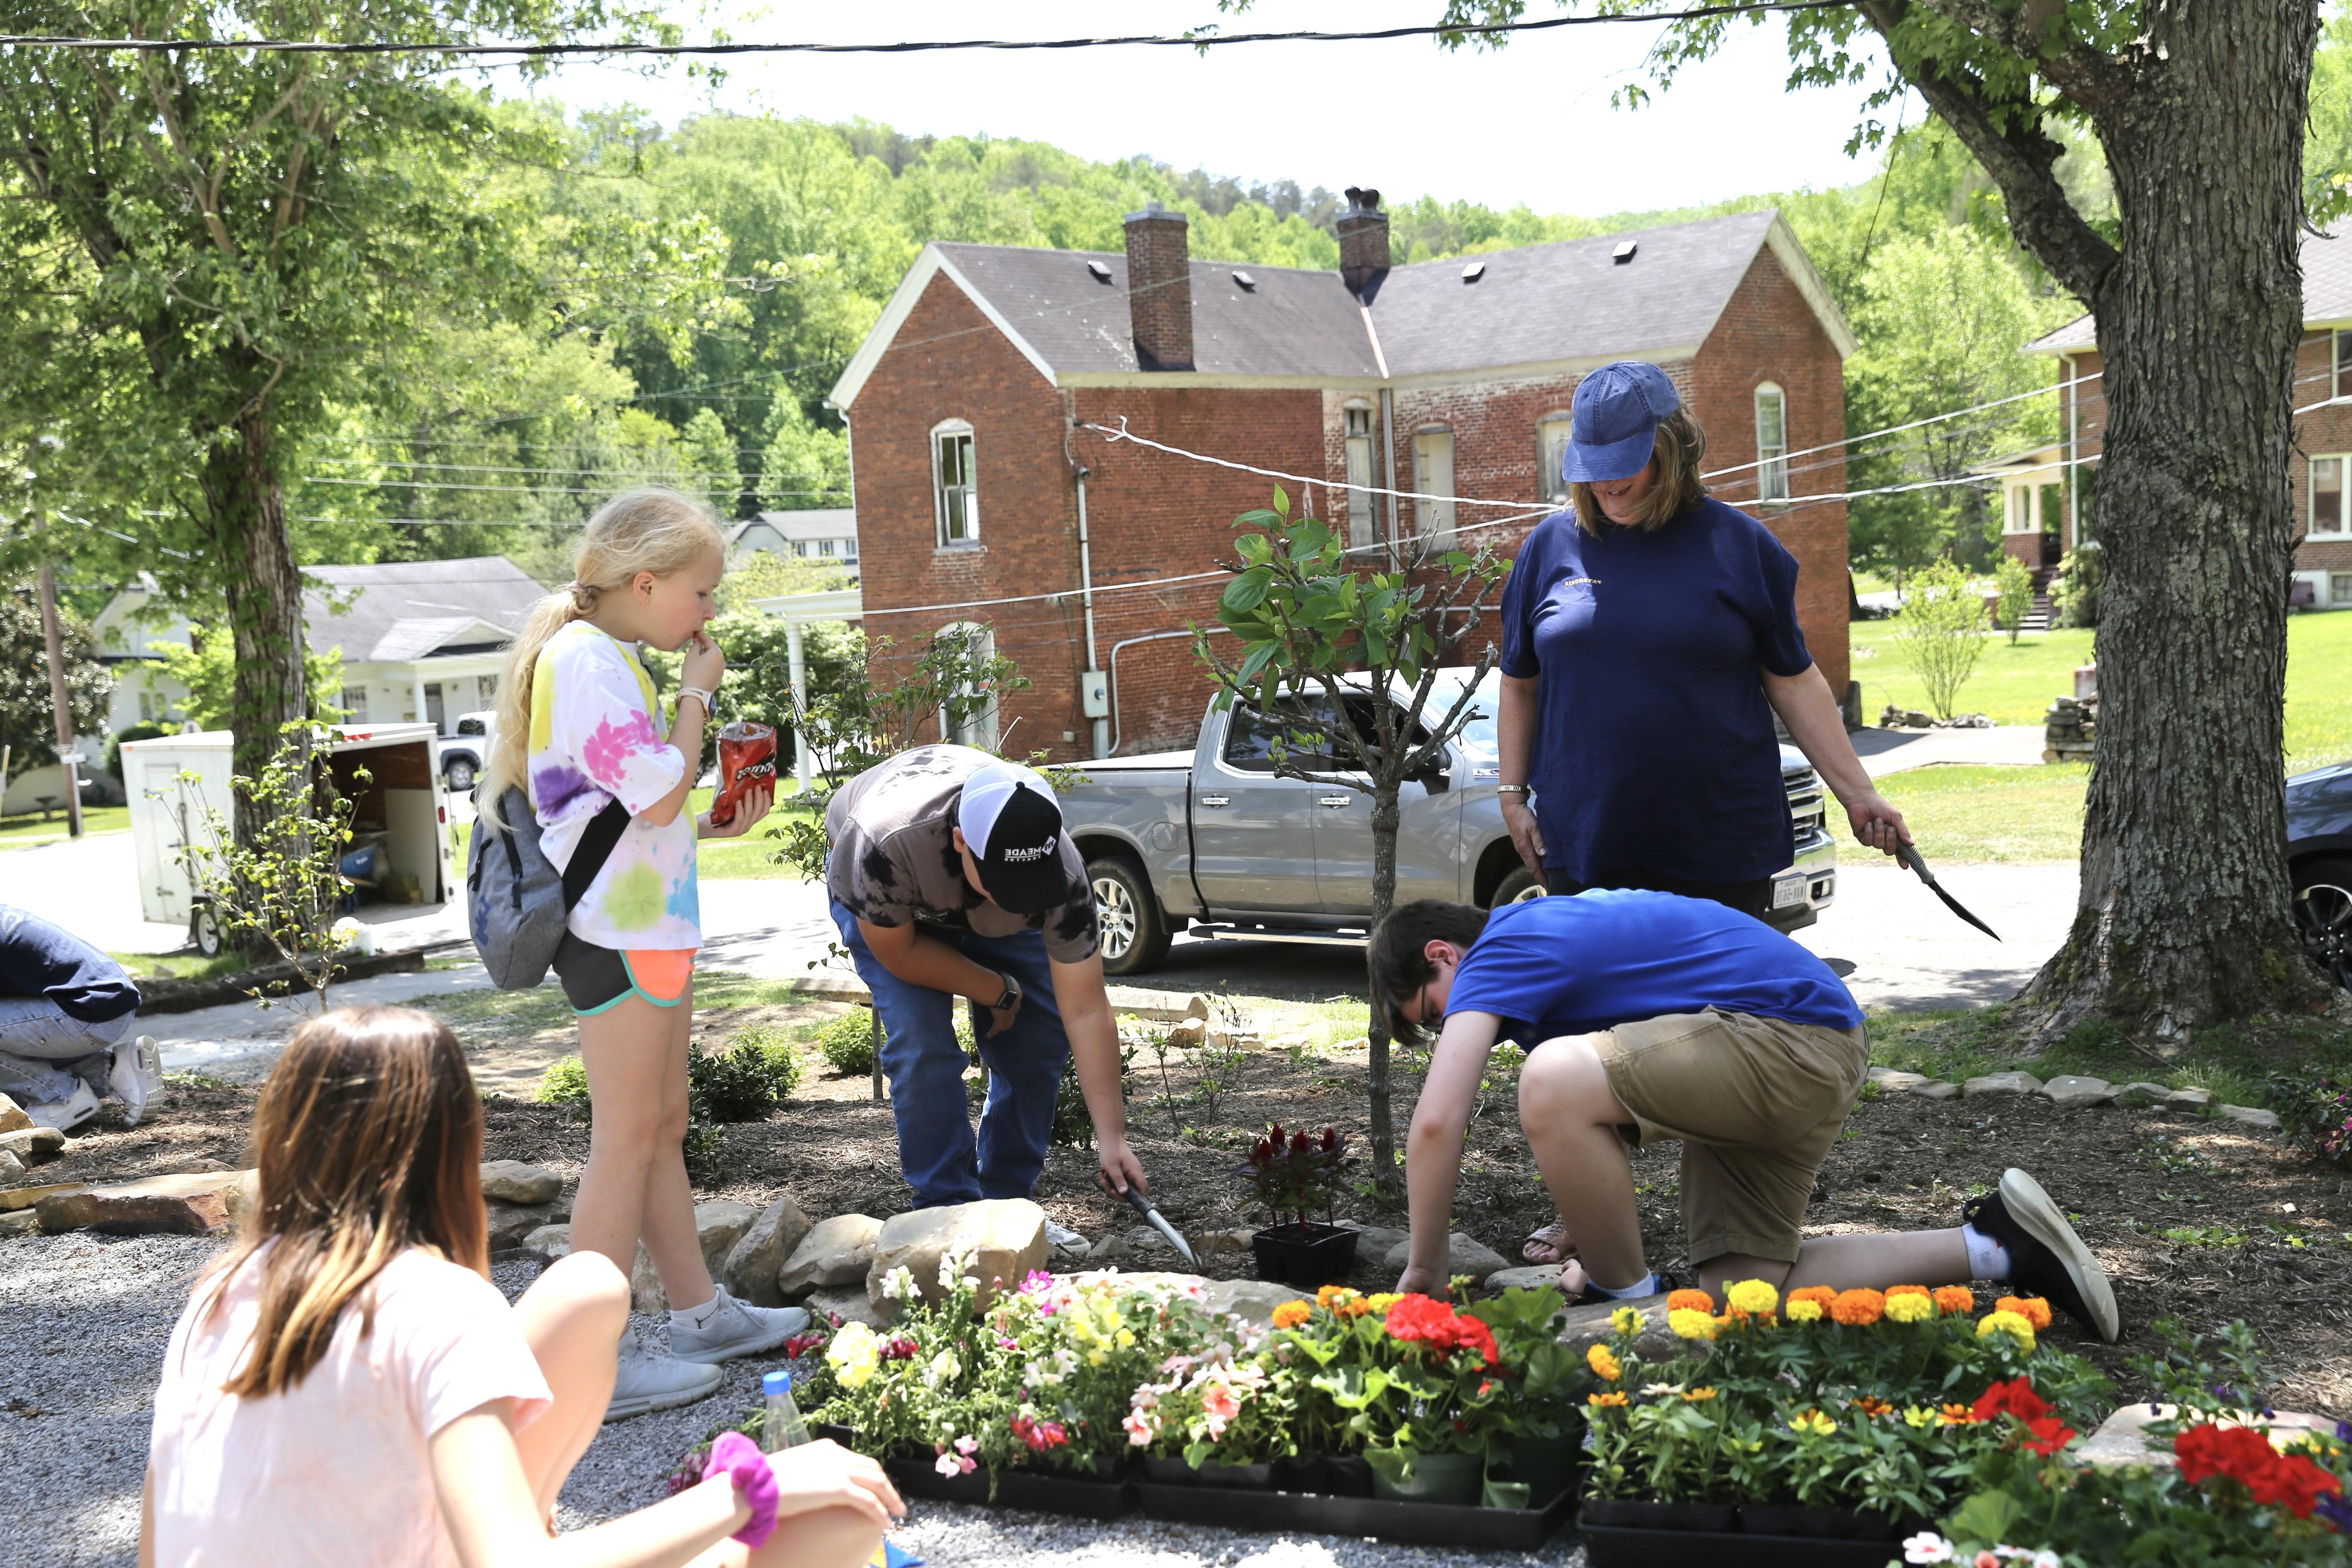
[829, 534]
[420, 639]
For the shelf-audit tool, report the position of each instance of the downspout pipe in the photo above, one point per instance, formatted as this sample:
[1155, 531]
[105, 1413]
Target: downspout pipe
[1102, 743]
[1114, 647]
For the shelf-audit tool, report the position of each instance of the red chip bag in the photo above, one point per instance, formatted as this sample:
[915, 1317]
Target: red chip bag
[747, 760]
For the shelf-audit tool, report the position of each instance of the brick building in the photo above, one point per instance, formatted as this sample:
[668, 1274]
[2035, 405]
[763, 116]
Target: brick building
[2045, 491]
[979, 486]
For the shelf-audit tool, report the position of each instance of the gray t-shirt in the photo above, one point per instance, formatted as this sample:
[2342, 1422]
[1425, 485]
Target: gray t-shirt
[893, 857]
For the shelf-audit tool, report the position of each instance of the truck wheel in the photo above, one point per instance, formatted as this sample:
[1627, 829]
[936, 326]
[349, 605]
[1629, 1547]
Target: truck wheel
[460, 773]
[1134, 932]
[2323, 915]
[1517, 888]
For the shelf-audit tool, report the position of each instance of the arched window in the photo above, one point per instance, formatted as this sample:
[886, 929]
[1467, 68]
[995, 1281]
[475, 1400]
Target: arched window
[1362, 532]
[952, 489]
[1772, 443]
[1551, 449]
[1433, 482]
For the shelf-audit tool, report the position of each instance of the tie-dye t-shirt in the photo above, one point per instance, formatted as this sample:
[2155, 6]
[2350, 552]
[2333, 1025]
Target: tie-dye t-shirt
[597, 734]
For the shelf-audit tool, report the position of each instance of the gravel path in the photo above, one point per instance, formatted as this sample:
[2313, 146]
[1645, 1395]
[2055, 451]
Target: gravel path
[84, 1319]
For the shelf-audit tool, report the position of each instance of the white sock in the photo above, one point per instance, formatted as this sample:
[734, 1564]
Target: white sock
[1647, 1285]
[698, 1318]
[1988, 1259]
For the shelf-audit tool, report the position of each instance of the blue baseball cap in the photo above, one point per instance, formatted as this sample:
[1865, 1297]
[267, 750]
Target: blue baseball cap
[1615, 425]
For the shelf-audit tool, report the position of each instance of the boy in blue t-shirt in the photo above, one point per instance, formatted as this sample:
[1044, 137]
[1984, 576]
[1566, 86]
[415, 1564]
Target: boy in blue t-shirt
[1648, 1016]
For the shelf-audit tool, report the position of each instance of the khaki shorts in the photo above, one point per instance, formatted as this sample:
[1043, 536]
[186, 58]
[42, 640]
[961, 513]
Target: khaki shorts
[1757, 1102]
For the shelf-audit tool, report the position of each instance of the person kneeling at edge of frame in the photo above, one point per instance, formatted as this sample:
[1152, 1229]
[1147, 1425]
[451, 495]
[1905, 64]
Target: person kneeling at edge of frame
[1648, 1016]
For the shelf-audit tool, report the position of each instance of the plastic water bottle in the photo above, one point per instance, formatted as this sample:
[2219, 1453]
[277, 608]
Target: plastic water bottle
[783, 1427]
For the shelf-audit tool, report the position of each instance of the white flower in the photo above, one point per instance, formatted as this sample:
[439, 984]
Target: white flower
[899, 1285]
[2046, 1560]
[1926, 1547]
[944, 1368]
[948, 1465]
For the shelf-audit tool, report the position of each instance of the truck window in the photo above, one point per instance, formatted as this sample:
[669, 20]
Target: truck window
[1250, 738]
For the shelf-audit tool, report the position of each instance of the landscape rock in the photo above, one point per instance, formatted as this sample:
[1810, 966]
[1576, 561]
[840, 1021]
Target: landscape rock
[849, 1304]
[1587, 1326]
[512, 1182]
[1188, 1032]
[1252, 1300]
[2251, 1116]
[1464, 1255]
[1935, 1089]
[2142, 1093]
[12, 1116]
[11, 1167]
[755, 1260]
[555, 1240]
[2187, 1099]
[2071, 1092]
[244, 1197]
[1533, 1277]
[509, 1223]
[20, 1222]
[1375, 1242]
[1891, 1082]
[836, 1251]
[719, 1223]
[26, 1197]
[158, 1205]
[2001, 1083]
[1136, 1244]
[1197, 1005]
[1209, 1242]
[28, 1143]
[1005, 1237]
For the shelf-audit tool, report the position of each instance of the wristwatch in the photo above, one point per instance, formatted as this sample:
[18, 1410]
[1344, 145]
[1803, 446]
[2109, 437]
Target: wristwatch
[1009, 997]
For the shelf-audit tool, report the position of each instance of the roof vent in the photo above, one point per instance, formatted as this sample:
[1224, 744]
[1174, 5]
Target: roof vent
[1471, 273]
[1244, 279]
[1624, 251]
[1101, 270]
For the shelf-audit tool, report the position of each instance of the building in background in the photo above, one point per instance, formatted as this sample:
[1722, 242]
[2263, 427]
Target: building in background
[828, 536]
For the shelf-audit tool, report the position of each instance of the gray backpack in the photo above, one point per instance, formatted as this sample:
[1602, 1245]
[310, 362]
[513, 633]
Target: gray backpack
[516, 901]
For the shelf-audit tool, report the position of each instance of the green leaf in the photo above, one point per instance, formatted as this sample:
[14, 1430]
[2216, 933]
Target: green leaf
[1253, 665]
[1244, 593]
[1281, 501]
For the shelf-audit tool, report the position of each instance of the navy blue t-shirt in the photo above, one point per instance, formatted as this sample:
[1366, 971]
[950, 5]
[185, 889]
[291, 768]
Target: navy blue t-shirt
[37, 959]
[1654, 743]
[1610, 956]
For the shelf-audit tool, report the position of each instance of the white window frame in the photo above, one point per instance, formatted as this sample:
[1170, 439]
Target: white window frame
[2018, 515]
[1363, 527]
[1552, 433]
[1771, 456]
[2339, 354]
[354, 712]
[981, 731]
[2314, 528]
[1432, 477]
[965, 489]
[2343, 598]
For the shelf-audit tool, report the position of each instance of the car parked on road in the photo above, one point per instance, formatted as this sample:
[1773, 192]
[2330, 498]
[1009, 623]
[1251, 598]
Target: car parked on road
[2319, 862]
[1211, 839]
[462, 757]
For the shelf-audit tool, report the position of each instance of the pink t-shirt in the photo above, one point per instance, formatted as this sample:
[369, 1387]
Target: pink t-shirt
[334, 1470]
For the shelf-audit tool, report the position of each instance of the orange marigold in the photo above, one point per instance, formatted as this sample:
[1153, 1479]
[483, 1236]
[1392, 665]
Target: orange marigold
[1690, 1301]
[1951, 1299]
[1819, 1293]
[1956, 1416]
[1907, 1290]
[1858, 1309]
[1290, 1314]
[1871, 1405]
[2032, 1309]
[1603, 1401]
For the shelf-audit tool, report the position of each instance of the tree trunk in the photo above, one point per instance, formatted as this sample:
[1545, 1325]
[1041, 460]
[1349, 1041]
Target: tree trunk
[1385, 816]
[2183, 917]
[264, 591]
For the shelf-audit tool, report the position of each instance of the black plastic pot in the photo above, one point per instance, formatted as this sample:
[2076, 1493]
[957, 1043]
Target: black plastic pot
[1690, 1517]
[1787, 1519]
[1416, 1523]
[1244, 1477]
[1304, 1256]
[1044, 1491]
[1543, 1465]
[1613, 1540]
[1326, 1475]
[1167, 1470]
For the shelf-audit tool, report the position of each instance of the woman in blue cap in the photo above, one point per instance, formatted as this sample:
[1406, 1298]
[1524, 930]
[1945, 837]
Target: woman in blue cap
[1649, 636]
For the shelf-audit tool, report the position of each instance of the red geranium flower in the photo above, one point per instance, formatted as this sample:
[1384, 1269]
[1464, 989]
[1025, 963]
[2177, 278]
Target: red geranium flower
[1422, 1319]
[2243, 1455]
[2015, 1397]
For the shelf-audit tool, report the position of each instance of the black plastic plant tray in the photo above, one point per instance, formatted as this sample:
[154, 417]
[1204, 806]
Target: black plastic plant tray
[1014, 1488]
[1414, 1523]
[1613, 1546]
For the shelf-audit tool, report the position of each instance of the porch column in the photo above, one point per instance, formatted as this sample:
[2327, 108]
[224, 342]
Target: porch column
[799, 670]
[416, 694]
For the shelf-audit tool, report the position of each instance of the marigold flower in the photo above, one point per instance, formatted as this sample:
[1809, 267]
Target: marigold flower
[1955, 1299]
[1698, 1395]
[1325, 1295]
[1910, 1308]
[1893, 1290]
[1807, 1312]
[1603, 1364]
[1382, 1300]
[1690, 1323]
[2032, 1309]
[2013, 1324]
[1753, 1297]
[1690, 1301]
[1820, 1293]
[1290, 1314]
[1604, 1401]
[1626, 1320]
[1858, 1309]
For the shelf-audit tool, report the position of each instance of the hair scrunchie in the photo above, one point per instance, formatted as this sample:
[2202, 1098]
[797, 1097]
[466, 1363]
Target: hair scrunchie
[739, 1458]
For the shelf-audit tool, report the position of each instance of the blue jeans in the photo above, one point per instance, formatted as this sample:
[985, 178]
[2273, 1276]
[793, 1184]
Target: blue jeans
[44, 1048]
[926, 1065]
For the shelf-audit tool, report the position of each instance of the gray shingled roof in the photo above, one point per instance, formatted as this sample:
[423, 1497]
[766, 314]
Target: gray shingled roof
[1533, 305]
[406, 609]
[2327, 293]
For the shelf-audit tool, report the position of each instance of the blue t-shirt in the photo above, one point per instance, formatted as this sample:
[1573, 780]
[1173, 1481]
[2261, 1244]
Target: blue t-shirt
[1574, 966]
[1653, 744]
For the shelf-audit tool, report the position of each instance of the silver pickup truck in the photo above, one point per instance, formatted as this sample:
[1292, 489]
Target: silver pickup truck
[1212, 840]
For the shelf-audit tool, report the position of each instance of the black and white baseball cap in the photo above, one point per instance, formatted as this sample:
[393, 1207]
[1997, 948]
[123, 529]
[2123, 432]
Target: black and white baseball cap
[1013, 826]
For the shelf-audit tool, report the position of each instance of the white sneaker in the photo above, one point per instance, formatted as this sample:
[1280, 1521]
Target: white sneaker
[138, 1072]
[737, 1328]
[65, 1114]
[647, 1380]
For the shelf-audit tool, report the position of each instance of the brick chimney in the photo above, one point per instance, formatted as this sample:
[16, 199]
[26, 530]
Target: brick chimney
[1363, 231]
[1160, 289]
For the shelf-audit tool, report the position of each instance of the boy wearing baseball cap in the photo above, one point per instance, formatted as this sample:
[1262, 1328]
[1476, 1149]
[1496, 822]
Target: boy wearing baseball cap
[950, 876]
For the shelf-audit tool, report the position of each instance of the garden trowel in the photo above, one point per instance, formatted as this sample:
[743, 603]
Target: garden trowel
[1911, 857]
[1153, 1217]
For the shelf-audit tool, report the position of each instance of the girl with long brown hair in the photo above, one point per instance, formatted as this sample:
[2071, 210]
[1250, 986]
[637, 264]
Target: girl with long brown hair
[346, 1385]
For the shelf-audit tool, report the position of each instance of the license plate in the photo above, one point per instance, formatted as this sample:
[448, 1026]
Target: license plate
[1787, 891]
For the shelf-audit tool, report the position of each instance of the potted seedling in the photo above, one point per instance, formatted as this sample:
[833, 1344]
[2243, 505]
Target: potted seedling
[1294, 1174]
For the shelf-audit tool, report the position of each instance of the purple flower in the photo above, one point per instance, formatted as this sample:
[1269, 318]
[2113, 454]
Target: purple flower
[2337, 1508]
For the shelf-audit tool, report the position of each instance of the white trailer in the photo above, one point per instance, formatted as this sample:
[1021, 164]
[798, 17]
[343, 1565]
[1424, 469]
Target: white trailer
[403, 800]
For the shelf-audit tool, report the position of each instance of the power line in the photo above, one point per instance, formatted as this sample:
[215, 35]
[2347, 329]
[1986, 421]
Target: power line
[1195, 40]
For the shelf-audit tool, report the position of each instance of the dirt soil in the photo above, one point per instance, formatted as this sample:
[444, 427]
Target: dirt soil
[2193, 1218]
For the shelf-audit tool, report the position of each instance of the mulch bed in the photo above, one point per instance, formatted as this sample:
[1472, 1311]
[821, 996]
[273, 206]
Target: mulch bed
[2193, 1218]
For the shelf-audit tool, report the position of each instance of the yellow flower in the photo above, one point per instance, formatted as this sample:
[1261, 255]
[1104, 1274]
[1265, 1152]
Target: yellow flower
[1626, 1319]
[1290, 1314]
[1804, 1312]
[1918, 1416]
[1689, 1323]
[1908, 1309]
[1604, 1365]
[2010, 1323]
[1382, 1300]
[1126, 1339]
[1812, 1423]
[1753, 1297]
[1604, 1401]
[1699, 1397]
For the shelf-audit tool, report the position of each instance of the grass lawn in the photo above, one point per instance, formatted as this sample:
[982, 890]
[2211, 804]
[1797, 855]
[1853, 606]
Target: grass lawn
[21, 832]
[2014, 684]
[2008, 813]
[189, 965]
[721, 859]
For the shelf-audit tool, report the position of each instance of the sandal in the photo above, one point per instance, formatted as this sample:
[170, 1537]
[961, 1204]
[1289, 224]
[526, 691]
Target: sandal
[1548, 1245]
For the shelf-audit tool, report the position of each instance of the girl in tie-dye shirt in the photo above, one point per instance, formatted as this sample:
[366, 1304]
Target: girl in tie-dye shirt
[581, 730]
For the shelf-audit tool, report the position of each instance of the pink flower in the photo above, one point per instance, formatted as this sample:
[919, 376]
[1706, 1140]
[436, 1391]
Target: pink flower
[949, 1465]
[1986, 1560]
[1138, 1430]
[1219, 1403]
[967, 1444]
[609, 746]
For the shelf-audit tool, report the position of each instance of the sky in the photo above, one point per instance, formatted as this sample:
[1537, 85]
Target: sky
[1530, 123]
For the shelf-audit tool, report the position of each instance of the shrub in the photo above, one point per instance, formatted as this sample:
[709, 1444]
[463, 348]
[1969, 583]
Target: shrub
[2016, 586]
[846, 1042]
[1941, 635]
[756, 1073]
[2316, 1108]
[566, 1083]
